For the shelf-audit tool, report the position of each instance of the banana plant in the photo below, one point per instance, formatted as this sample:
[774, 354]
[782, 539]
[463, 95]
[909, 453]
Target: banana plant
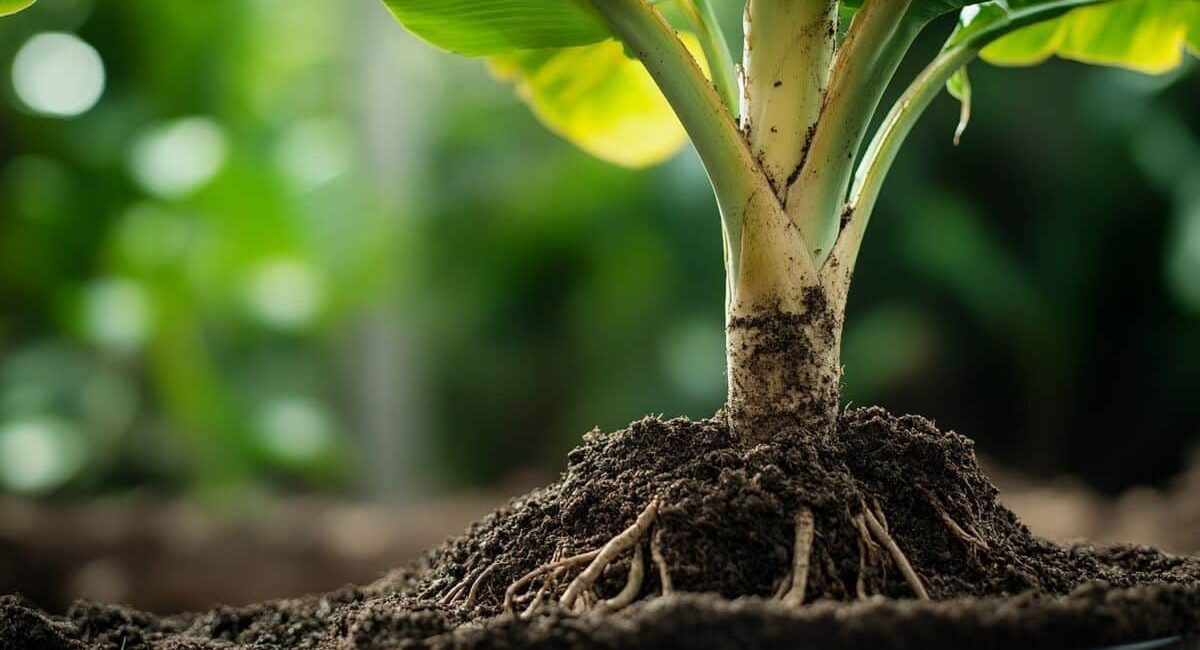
[781, 136]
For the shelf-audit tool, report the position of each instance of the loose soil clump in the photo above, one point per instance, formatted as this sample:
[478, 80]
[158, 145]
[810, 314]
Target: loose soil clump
[883, 533]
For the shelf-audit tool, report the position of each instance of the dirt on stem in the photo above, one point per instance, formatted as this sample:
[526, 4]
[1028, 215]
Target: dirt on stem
[784, 368]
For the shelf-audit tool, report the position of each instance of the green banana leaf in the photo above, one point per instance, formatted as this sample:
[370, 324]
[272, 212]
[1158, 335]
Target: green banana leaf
[598, 98]
[565, 65]
[482, 27]
[9, 7]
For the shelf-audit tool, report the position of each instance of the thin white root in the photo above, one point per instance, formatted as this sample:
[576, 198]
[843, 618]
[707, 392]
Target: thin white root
[860, 585]
[866, 548]
[547, 586]
[805, 528]
[460, 588]
[478, 582]
[615, 546]
[433, 589]
[448, 597]
[551, 581]
[879, 515]
[784, 585]
[511, 592]
[971, 539]
[633, 584]
[664, 572]
[864, 535]
[893, 549]
[587, 600]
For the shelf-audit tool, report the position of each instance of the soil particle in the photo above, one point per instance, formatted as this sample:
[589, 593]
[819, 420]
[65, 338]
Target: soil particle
[23, 627]
[725, 522]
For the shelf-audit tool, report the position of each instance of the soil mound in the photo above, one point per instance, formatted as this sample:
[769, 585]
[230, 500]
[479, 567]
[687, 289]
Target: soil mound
[672, 534]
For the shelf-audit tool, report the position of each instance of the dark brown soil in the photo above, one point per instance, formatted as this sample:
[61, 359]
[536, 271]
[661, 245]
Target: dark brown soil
[726, 524]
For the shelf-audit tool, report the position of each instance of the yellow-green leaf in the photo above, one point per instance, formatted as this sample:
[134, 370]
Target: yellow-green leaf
[1194, 32]
[483, 27]
[9, 7]
[599, 99]
[1145, 35]
[1027, 46]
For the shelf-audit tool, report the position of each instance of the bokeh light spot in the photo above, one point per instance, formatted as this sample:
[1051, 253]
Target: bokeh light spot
[175, 159]
[294, 429]
[57, 74]
[37, 454]
[285, 293]
[116, 314]
[314, 152]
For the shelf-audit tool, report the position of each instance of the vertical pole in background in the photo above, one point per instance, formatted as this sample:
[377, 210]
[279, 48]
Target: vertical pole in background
[386, 396]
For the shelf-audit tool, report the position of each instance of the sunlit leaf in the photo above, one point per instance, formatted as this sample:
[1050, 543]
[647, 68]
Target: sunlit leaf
[599, 99]
[1145, 35]
[482, 27]
[9, 7]
[1194, 32]
[1031, 44]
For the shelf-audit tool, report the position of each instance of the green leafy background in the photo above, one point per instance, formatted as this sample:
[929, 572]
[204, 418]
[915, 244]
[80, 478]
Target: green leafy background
[468, 293]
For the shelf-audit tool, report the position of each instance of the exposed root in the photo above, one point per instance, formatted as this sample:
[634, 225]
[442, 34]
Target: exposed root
[971, 539]
[867, 550]
[580, 594]
[587, 600]
[785, 584]
[860, 585]
[664, 572]
[878, 512]
[548, 585]
[633, 584]
[574, 560]
[798, 581]
[433, 589]
[885, 538]
[460, 588]
[609, 552]
[477, 583]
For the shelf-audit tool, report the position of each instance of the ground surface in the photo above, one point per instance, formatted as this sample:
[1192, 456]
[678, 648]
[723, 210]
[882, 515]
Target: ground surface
[171, 556]
[721, 522]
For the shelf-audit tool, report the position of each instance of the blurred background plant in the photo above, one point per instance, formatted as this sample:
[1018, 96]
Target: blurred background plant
[254, 247]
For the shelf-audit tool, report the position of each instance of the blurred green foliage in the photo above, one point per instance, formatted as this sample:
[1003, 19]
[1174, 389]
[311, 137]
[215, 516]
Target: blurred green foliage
[284, 245]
